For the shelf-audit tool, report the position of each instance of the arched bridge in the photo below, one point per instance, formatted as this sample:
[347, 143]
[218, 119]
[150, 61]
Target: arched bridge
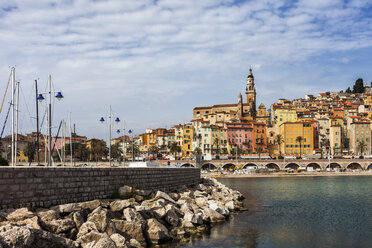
[321, 164]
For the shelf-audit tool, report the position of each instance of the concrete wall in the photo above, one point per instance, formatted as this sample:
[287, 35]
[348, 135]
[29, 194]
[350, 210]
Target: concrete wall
[44, 187]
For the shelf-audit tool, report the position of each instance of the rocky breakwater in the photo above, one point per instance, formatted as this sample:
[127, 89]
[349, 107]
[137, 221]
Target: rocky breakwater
[144, 219]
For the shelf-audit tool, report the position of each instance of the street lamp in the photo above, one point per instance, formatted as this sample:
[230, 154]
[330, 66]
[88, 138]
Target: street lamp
[124, 150]
[117, 120]
[41, 98]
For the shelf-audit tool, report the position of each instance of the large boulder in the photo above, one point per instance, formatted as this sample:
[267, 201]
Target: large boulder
[212, 215]
[87, 227]
[105, 242]
[172, 218]
[90, 205]
[89, 239]
[201, 202]
[32, 222]
[99, 218]
[119, 240]
[125, 191]
[145, 211]
[47, 214]
[230, 205]
[26, 237]
[165, 196]
[60, 226]
[159, 212]
[218, 207]
[79, 219]
[67, 208]
[19, 214]
[132, 215]
[119, 205]
[193, 218]
[130, 230]
[156, 232]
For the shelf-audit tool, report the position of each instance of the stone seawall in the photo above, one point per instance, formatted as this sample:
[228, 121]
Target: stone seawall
[44, 187]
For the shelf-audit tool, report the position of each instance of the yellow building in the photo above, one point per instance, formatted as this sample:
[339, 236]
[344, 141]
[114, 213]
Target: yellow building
[290, 131]
[284, 115]
[187, 138]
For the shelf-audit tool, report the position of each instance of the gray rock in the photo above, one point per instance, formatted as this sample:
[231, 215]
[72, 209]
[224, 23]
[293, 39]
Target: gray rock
[145, 211]
[131, 215]
[201, 202]
[212, 215]
[87, 227]
[89, 239]
[193, 218]
[119, 240]
[230, 206]
[125, 191]
[165, 196]
[134, 243]
[99, 218]
[174, 196]
[47, 214]
[218, 207]
[32, 222]
[144, 193]
[120, 205]
[67, 208]
[156, 232]
[175, 209]
[19, 214]
[130, 230]
[90, 205]
[60, 226]
[78, 219]
[159, 212]
[172, 218]
[26, 237]
[105, 242]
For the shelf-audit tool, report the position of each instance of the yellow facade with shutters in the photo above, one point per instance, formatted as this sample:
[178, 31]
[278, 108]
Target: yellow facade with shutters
[285, 115]
[290, 131]
[187, 137]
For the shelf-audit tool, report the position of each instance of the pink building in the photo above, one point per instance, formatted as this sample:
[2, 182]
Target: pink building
[240, 135]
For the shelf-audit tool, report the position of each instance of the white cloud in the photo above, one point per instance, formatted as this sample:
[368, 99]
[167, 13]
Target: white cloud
[145, 56]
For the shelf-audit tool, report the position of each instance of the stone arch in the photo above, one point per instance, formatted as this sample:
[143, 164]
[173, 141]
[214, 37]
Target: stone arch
[209, 166]
[293, 166]
[334, 165]
[354, 166]
[249, 164]
[187, 165]
[273, 166]
[314, 165]
[369, 167]
[228, 166]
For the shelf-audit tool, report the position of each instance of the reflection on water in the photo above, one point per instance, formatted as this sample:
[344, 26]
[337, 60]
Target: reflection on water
[297, 212]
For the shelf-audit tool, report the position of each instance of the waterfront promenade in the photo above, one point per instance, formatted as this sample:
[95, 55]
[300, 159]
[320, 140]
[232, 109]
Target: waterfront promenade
[224, 164]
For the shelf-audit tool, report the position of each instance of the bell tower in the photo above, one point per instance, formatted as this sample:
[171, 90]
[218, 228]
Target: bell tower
[250, 93]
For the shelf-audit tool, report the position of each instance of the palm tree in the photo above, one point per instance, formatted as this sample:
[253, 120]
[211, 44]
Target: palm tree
[362, 147]
[174, 148]
[154, 149]
[299, 139]
[197, 151]
[279, 140]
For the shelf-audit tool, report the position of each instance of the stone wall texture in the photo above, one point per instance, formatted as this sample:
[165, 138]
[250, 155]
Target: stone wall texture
[44, 187]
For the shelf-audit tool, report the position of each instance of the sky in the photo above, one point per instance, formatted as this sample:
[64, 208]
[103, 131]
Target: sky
[153, 61]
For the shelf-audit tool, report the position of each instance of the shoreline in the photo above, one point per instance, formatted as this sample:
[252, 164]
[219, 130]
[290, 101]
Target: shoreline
[279, 175]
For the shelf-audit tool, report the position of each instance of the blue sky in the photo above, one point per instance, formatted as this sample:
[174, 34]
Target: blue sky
[154, 61]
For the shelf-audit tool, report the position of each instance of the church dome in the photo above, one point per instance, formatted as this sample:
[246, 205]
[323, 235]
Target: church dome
[262, 106]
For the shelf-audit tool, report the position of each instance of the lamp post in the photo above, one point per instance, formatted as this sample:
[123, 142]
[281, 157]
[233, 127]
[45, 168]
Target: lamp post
[117, 120]
[124, 150]
[40, 97]
[131, 131]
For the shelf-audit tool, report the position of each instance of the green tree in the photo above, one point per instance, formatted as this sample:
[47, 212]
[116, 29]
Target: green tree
[197, 151]
[115, 151]
[29, 151]
[362, 146]
[299, 139]
[98, 149]
[154, 149]
[174, 148]
[358, 86]
[348, 90]
[279, 140]
[79, 151]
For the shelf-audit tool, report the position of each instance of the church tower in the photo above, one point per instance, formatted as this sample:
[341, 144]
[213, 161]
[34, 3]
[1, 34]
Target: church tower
[250, 94]
[240, 106]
